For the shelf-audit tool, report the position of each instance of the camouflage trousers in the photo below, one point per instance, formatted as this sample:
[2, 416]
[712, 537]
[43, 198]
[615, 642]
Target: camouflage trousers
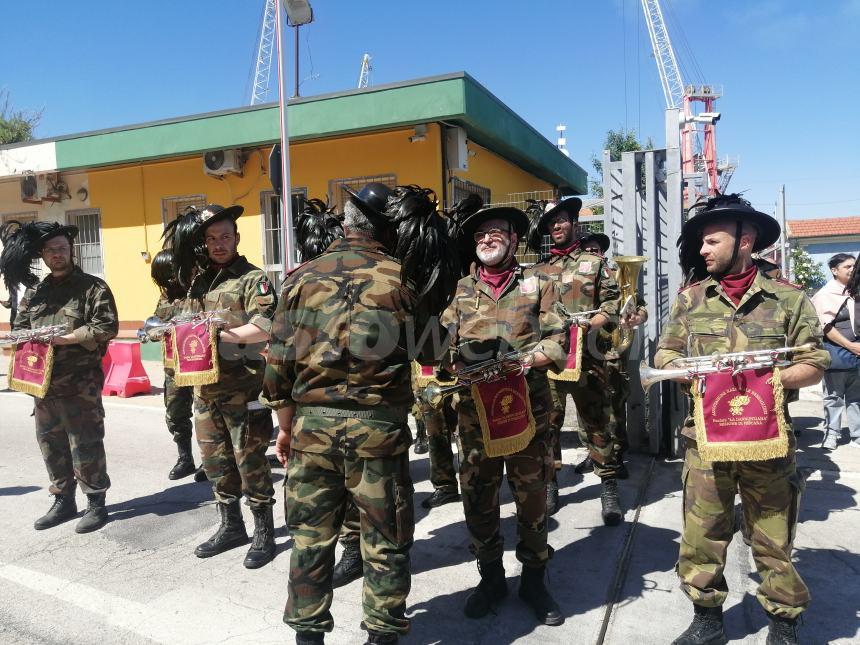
[319, 487]
[233, 442]
[178, 407]
[70, 431]
[528, 473]
[618, 391]
[440, 425]
[595, 417]
[770, 496]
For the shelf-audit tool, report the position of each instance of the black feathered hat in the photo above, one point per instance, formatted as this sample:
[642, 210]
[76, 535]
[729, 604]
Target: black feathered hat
[723, 208]
[601, 239]
[22, 245]
[215, 213]
[571, 206]
[518, 220]
[371, 200]
[317, 227]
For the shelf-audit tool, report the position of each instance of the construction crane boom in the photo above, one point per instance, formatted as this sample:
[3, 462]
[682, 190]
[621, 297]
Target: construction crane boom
[664, 53]
[364, 75]
[265, 49]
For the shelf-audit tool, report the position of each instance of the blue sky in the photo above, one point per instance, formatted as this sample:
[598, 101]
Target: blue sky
[782, 63]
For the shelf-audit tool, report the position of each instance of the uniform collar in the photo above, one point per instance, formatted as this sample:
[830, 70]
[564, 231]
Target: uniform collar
[238, 267]
[760, 283]
[357, 243]
[76, 272]
[483, 287]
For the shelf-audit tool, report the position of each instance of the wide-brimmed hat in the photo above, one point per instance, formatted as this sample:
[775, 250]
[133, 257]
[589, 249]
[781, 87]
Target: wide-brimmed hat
[371, 200]
[518, 219]
[601, 238]
[215, 213]
[731, 208]
[55, 230]
[570, 205]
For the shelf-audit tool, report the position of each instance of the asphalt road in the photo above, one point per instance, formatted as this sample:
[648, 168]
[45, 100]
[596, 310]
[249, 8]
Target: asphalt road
[137, 580]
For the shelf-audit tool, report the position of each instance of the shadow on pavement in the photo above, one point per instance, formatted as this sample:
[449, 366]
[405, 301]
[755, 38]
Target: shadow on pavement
[18, 490]
[175, 499]
[811, 458]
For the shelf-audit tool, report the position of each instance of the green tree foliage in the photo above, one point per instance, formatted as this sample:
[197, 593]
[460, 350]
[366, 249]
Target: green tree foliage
[806, 271]
[616, 141]
[15, 125]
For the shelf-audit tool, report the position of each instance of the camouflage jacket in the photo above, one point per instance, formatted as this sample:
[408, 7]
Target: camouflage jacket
[526, 312]
[343, 337]
[772, 313]
[246, 291]
[166, 309]
[85, 303]
[584, 282]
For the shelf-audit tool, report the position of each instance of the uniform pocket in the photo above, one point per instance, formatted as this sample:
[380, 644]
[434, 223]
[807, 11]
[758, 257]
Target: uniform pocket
[404, 514]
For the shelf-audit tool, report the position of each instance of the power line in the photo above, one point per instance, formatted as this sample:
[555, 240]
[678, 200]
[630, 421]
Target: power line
[624, 49]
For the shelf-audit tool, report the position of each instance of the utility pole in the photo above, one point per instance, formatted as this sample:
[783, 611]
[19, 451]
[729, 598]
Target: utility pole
[784, 245]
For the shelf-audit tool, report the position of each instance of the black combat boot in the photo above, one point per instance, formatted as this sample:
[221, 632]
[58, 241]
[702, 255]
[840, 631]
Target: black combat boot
[95, 516]
[62, 510]
[584, 466]
[185, 464]
[706, 628]
[611, 509]
[262, 549]
[492, 588]
[310, 638]
[535, 594]
[781, 631]
[552, 497]
[440, 497]
[350, 567]
[230, 534]
[380, 638]
[422, 444]
[622, 473]
[200, 474]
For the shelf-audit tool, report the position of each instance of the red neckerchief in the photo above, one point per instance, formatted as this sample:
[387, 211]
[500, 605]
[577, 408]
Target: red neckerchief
[736, 285]
[569, 249]
[497, 281]
[218, 267]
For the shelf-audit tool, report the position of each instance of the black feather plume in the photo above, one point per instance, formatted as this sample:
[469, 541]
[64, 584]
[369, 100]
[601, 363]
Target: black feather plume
[22, 246]
[534, 236]
[470, 204]
[189, 252]
[317, 227]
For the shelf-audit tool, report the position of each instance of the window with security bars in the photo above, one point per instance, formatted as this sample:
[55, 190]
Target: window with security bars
[337, 196]
[88, 243]
[173, 207]
[273, 239]
[460, 189]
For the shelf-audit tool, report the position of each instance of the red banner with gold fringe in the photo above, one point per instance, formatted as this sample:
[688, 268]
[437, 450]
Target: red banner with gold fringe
[30, 368]
[505, 415]
[167, 354]
[195, 350]
[740, 417]
[573, 366]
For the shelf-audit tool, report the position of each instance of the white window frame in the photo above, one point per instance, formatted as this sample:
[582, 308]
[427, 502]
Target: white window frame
[72, 219]
[270, 208]
[173, 206]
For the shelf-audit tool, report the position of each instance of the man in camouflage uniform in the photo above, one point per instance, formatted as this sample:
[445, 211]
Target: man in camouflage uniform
[584, 283]
[339, 359]
[177, 400]
[441, 425]
[735, 307]
[500, 307]
[70, 418]
[233, 429]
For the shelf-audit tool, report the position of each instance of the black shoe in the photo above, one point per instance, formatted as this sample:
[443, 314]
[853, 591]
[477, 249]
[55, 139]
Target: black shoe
[611, 509]
[350, 567]
[381, 638]
[422, 444]
[185, 464]
[95, 516]
[534, 593]
[552, 497]
[492, 588]
[200, 475]
[262, 549]
[310, 638]
[62, 510]
[706, 628]
[441, 497]
[781, 631]
[584, 466]
[230, 534]
[622, 472]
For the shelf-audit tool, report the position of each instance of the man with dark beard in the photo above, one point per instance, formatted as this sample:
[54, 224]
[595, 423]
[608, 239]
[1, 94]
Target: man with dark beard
[500, 307]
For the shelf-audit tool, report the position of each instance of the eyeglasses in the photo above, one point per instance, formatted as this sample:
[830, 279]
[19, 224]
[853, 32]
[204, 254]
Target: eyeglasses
[496, 235]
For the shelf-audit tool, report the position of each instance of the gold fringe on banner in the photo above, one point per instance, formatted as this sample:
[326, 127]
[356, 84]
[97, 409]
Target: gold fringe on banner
[570, 374]
[34, 389]
[760, 450]
[507, 445]
[205, 377]
[169, 363]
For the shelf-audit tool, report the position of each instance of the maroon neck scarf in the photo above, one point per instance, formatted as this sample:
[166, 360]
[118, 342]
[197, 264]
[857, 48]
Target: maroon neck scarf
[570, 249]
[736, 285]
[497, 281]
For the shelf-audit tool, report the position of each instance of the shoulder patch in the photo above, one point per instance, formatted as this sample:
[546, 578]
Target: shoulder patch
[264, 287]
[585, 267]
[529, 285]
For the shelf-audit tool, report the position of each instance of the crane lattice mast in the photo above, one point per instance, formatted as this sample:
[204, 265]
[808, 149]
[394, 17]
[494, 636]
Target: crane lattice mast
[364, 75]
[265, 49]
[664, 53]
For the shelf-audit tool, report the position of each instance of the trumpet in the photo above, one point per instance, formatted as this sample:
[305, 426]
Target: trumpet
[582, 317]
[39, 334]
[154, 327]
[735, 362]
[487, 371]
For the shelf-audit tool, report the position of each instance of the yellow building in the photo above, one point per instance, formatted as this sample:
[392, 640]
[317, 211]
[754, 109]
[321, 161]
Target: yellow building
[121, 186]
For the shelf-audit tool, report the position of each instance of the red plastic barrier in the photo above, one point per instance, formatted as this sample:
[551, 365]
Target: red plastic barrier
[124, 373]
